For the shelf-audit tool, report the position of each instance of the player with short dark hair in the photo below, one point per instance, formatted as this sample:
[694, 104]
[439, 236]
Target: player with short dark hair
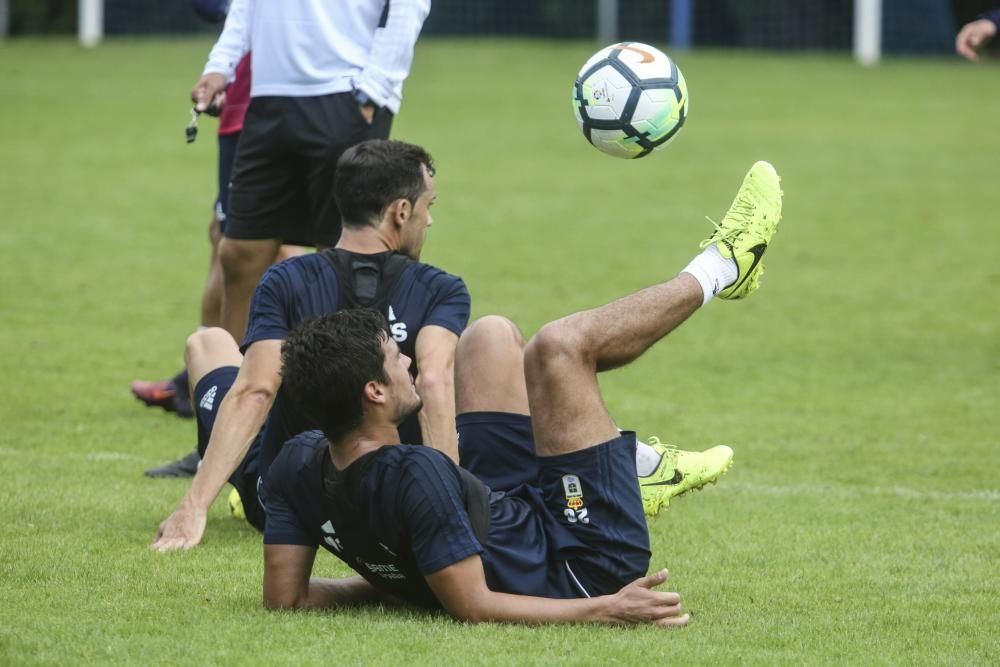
[566, 540]
[378, 172]
[375, 264]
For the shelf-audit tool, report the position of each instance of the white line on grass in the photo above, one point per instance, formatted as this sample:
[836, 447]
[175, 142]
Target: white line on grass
[112, 456]
[87, 456]
[844, 491]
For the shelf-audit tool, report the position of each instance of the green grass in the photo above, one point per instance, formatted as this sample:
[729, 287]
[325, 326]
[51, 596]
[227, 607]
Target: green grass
[860, 387]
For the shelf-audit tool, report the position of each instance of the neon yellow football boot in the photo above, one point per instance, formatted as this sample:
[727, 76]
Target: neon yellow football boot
[747, 228]
[679, 472]
[236, 505]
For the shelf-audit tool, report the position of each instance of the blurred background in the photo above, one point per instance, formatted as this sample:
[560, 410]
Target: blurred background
[908, 26]
[859, 389]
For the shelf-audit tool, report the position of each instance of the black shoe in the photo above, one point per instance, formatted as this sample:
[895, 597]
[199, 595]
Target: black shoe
[184, 467]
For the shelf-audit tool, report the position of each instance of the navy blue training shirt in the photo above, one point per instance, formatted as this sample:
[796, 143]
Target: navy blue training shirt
[411, 521]
[305, 287]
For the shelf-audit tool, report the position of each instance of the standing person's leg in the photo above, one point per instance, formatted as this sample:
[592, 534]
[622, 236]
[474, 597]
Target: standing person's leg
[211, 298]
[211, 294]
[244, 262]
[264, 192]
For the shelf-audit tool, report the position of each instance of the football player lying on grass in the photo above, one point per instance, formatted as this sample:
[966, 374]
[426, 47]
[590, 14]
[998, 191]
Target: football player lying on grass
[565, 540]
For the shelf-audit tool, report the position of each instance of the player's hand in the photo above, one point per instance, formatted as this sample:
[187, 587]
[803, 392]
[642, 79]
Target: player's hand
[209, 92]
[367, 112]
[973, 36]
[639, 603]
[181, 530]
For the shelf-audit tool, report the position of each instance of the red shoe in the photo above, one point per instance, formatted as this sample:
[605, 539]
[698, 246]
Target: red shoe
[163, 394]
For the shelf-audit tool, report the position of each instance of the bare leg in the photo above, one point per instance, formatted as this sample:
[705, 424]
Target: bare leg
[563, 359]
[209, 349]
[243, 264]
[489, 368]
[211, 296]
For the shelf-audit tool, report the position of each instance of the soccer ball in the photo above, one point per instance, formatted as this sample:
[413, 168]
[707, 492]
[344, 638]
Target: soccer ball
[630, 99]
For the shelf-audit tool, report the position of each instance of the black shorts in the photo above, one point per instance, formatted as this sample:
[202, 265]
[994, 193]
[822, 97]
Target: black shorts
[590, 498]
[282, 184]
[227, 152]
[208, 395]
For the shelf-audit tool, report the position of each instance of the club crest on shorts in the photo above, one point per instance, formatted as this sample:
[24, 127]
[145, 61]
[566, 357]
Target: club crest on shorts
[574, 492]
[575, 512]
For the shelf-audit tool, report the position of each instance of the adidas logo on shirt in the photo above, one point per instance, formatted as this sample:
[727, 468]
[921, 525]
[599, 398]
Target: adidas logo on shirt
[397, 329]
[208, 400]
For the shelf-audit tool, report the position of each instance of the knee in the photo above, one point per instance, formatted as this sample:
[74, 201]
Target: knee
[241, 260]
[202, 343]
[214, 231]
[491, 337]
[493, 330]
[556, 345]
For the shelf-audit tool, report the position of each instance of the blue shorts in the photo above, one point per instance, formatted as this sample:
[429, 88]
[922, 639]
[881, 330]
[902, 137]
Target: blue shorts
[227, 151]
[594, 521]
[498, 448]
[208, 395]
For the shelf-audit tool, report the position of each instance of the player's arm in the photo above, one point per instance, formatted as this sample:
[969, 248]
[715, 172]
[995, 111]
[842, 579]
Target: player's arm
[288, 583]
[976, 34]
[229, 49]
[461, 589]
[391, 53]
[241, 415]
[435, 352]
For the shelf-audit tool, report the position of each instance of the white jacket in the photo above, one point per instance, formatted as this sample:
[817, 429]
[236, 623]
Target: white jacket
[306, 48]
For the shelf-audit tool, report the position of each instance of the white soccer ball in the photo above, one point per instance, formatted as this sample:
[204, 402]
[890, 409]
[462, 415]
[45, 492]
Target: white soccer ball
[630, 99]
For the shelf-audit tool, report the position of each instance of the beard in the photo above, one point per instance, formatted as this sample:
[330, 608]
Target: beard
[408, 408]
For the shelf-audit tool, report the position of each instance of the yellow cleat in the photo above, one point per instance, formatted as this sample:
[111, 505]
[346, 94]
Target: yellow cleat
[747, 228]
[679, 472]
[236, 505]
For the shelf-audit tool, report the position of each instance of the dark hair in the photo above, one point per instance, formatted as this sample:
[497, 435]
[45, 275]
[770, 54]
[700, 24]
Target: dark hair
[373, 174]
[326, 363]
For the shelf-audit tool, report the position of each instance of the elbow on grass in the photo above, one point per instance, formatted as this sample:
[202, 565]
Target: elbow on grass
[467, 614]
[279, 604]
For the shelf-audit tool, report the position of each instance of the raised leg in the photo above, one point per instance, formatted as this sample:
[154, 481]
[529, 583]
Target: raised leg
[562, 361]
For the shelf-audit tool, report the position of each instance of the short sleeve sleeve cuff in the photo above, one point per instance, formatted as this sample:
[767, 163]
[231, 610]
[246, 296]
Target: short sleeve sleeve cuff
[992, 16]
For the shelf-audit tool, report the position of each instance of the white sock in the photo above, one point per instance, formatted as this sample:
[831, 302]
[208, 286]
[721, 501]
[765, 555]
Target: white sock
[712, 271]
[646, 459]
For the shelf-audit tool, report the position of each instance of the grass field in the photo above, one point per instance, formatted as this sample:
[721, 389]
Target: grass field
[860, 386]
